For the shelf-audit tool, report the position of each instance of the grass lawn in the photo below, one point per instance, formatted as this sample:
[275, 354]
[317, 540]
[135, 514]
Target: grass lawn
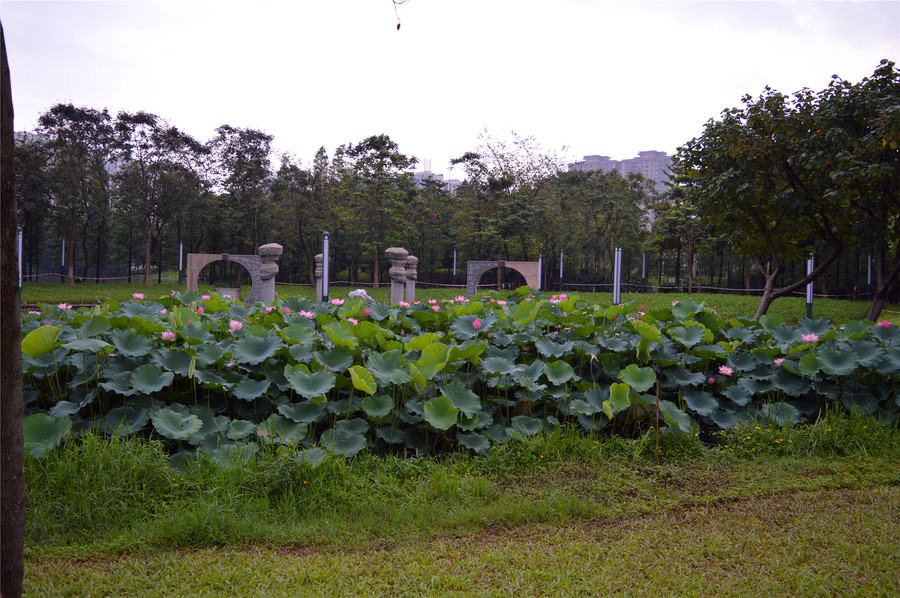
[557, 515]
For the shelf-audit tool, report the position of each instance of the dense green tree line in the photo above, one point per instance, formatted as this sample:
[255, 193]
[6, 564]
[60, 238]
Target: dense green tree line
[763, 188]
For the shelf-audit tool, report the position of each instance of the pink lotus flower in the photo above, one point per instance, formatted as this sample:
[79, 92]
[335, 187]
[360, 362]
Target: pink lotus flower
[501, 302]
[287, 310]
[725, 370]
[674, 303]
[163, 311]
[352, 321]
[34, 311]
[884, 324]
[809, 338]
[460, 299]
[205, 297]
[403, 304]
[172, 293]
[432, 301]
[167, 335]
[235, 325]
[711, 380]
[226, 296]
[527, 298]
[190, 321]
[138, 295]
[436, 307]
[64, 306]
[476, 324]
[367, 312]
[306, 314]
[269, 308]
[779, 361]
[200, 310]
[337, 301]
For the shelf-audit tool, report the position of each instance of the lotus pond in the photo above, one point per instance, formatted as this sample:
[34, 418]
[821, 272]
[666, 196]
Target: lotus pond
[204, 374]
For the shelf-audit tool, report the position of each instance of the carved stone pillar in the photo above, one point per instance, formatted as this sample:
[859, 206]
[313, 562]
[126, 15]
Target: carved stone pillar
[319, 272]
[412, 274]
[397, 257]
[269, 254]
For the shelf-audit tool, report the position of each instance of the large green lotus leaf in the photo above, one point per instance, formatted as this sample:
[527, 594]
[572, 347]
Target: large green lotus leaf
[638, 378]
[835, 362]
[44, 433]
[469, 351]
[386, 368]
[818, 327]
[363, 380]
[210, 353]
[756, 386]
[124, 421]
[175, 360]
[618, 399]
[583, 407]
[213, 425]
[462, 398]
[380, 311]
[341, 336]
[742, 362]
[770, 322]
[440, 413]
[196, 335]
[739, 395]
[249, 389]
[281, 430]
[298, 333]
[130, 343]
[467, 423]
[120, 384]
[741, 333]
[891, 334]
[434, 358]
[783, 414]
[65, 408]
[175, 424]
[40, 341]
[679, 376]
[496, 366]
[342, 442]
[255, 349]
[869, 352]
[855, 328]
[149, 379]
[312, 457]
[391, 435]
[687, 336]
[378, 407]
[527, 426]
[301, 353]
[686, 308]
[700, 402]
[862, 401]
[676, 417]
[648, 332]
[784, 335]
[93, 327]
[209, 379]
[337, 359]
[548, 348]
[726, 419]
[90, 345]
[616, 344]
[230, 456]
[146, 308]
[302, 413]
[808, 365]
[419, 343]
[559, 372]
[311, 386]
[790, 384]
[239, 429]
[474, 442]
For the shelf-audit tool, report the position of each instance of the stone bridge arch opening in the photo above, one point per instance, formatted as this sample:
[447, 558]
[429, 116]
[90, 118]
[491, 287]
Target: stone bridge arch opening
[476, 269]
[262, 269]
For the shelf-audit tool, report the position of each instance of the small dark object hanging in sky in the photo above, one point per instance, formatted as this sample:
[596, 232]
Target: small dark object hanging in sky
[396, 2]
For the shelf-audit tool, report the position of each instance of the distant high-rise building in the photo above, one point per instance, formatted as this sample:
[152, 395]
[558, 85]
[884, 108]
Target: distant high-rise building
[652, 164]
[449, 185]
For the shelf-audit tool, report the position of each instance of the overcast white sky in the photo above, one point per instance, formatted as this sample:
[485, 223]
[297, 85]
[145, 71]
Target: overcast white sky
[596, 76]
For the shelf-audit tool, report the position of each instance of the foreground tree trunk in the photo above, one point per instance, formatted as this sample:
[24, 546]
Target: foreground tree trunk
[884, 285]
[12, 443]
[771, 293]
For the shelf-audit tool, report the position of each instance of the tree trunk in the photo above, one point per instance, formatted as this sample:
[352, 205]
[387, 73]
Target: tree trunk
[884, 285]
[376, 268]
[148, 256]
[12, 408]
[70, 250]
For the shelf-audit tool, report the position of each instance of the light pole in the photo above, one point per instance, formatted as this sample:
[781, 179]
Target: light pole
[325, 266]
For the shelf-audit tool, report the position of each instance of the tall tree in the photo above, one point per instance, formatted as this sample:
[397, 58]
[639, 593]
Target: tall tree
[243, 167]
[376, 169]
[758, 176]
[12, 408]
[79, 140]
[155, 174]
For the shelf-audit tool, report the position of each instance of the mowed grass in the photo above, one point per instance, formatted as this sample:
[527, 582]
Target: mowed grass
[820, 543]
[792, 309]
[562, 514]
